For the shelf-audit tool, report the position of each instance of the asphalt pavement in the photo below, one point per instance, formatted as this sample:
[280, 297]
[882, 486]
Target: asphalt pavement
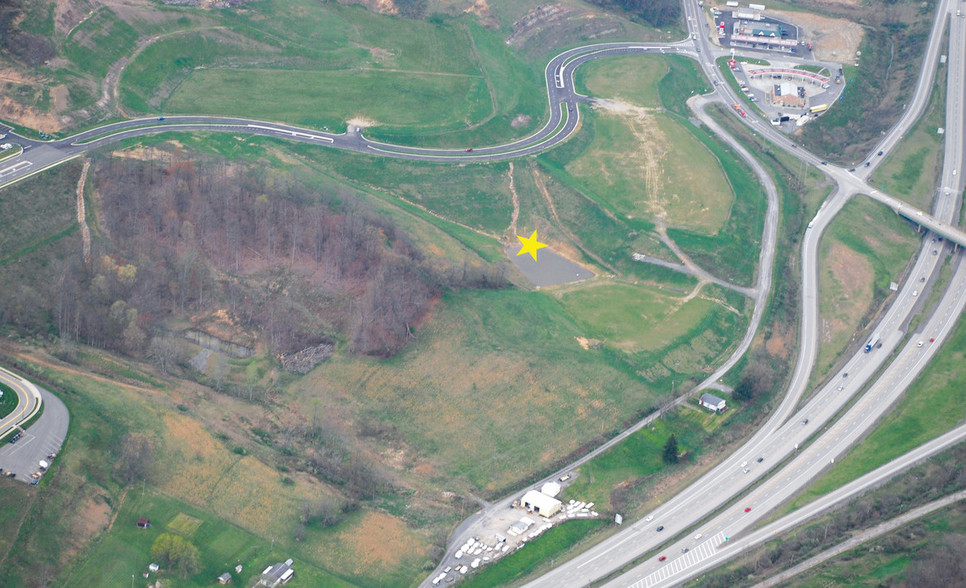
[43, 438]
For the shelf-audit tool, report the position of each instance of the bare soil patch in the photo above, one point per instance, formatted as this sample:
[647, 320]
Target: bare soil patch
[520, 121]
[852, 277]
[361, 122]
[833, 39]
[91, 519]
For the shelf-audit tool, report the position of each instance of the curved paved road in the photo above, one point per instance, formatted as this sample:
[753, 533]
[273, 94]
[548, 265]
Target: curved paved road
[28, 397]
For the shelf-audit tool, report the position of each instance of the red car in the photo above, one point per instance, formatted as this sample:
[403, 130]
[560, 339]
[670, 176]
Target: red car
[662, 558]
[469, 149]
[748, 509]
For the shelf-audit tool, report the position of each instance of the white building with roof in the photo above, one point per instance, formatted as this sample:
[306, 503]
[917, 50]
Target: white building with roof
[712, 402]
[540, 503]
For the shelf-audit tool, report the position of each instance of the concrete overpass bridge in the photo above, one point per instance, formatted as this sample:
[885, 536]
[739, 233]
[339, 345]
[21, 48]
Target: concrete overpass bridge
[921, 218]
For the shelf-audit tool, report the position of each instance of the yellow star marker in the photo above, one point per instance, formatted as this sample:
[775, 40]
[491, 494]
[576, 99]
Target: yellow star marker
[530, 245]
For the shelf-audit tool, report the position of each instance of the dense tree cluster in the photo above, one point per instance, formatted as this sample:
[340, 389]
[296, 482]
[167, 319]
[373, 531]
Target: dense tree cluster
[176, 553]
[292, 263]
[657, 13]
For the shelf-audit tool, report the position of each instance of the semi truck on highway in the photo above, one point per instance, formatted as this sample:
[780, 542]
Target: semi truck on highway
[873, 343]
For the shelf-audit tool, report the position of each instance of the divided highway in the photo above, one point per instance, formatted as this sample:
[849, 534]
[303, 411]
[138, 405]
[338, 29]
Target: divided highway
[786, 430]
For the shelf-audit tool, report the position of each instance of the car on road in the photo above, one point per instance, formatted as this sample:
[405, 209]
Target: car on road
[919, 344]
[761, 459]
[804, 421]
[824, 163]
[851, 169]
[868, 163]
[748, 509]
[840, 388]
[915, 292]
[662, 558]
[698, 536]
[931, 340]
[684, 550]
[648, 518]
[879, 154]
[160, 118]
[744, 463]
[660, 528]
[469, 149]
[745, 470]
[845, 375]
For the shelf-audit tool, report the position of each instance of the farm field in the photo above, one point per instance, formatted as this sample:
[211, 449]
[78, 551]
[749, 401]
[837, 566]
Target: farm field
[864, 249]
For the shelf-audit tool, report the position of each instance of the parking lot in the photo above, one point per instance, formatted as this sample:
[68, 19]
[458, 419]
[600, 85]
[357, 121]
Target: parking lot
[44, 438]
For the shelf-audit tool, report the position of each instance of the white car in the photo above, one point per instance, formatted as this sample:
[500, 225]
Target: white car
[648, 518]
[919, 344]
[698, 536]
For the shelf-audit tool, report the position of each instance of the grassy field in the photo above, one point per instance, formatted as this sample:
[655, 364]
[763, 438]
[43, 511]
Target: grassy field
[718, 226]
[490, 376]
[404, 99]
[633, 318]
[51, 209]
[125, 548]
[334, 63]
[864, 249]
[99, 41]
[911, 171]
[636, 460]
[930, 407]
[518, 564]
[641, 163]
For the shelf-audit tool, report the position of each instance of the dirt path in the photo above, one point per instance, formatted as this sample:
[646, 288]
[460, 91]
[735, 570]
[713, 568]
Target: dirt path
[82, 213]
[512, 229]
[112, 81]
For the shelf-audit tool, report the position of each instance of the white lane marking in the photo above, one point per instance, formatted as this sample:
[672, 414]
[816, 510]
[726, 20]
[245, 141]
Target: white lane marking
[694, 556]
[293, 133]
[14, 168]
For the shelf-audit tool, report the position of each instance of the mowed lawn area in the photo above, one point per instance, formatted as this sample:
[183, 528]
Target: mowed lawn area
[126, 549]
[641, 162]
[864, 249]
[322, 64]
[634, 318]
[333, 97]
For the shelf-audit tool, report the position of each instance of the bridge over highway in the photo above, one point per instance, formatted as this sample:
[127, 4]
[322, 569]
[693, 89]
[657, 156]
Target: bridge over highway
[922, 219]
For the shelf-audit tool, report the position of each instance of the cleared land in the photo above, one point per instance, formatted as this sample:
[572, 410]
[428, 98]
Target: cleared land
[864, 249]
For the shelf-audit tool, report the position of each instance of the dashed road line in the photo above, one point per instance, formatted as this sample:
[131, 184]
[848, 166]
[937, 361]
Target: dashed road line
[14, 168]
